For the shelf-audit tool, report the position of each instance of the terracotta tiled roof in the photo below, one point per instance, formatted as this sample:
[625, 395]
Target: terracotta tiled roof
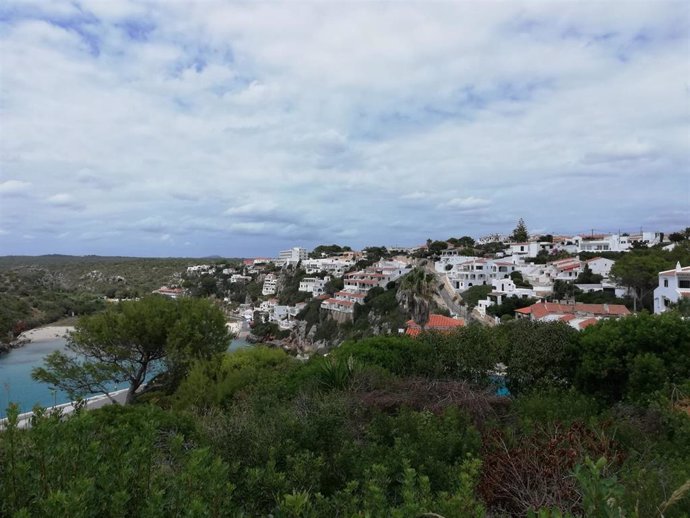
[587, 323]
[340, 302]
[350, 294]
[541, 309]
[435, 323]
[444, 322]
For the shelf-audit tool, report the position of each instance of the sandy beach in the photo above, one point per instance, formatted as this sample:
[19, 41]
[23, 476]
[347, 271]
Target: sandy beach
[41, 334]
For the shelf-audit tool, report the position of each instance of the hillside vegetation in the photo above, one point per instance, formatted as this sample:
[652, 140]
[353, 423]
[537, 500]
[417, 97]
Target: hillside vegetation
[596, 425]
[43, 289]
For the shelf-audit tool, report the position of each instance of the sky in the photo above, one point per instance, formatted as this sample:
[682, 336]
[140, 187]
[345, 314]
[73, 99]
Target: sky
[242, 128]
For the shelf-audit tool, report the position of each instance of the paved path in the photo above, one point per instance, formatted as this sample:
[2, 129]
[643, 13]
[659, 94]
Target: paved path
[67, 408]
[447, 293]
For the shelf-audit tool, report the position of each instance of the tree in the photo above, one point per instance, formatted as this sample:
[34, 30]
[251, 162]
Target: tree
[520, 233]
[516, 277]
[639, 271]
[588, 277]
[633, 356]
[539, 355]
[416, 293]
[676, 237]
[436, 247]
[473, 295]
[464, 241]
[133, 340]
[563, 290]
[328, 250]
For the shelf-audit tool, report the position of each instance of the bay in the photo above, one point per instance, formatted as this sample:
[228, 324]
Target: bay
[17, 386]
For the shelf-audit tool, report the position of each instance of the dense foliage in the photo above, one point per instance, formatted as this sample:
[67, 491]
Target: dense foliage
[43, 289]
[386, 426]
[133, 340]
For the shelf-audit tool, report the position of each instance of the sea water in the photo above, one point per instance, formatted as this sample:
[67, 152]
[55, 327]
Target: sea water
[17, 386]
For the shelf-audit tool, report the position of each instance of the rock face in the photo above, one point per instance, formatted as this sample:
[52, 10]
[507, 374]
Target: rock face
[6, 347]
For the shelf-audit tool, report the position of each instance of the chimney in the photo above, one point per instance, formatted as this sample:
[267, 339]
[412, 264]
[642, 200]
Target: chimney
[678, 267]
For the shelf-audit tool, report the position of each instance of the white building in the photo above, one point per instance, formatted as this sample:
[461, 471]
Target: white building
[479, 272]
[314, 285]
[198, 269]
[451, 257]
[504, 288]
[674, 285]
[600, 266]
[239, 278]
[564, 269]
[333, 266]
[173, 293]
[292, 256]
[531, 249]
[615, 242]
[358, 284]
[379, 274]
[270, 285]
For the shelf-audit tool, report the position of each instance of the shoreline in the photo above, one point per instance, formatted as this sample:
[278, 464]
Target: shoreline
[44, 334]
[91, 403]
[36, 335]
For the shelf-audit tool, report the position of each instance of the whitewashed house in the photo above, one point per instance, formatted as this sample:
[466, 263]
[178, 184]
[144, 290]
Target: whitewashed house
[478, 272]
[270, 285]
[504, 288]
[314, 285]
[333, 266]
[600, 266]
[674, 285]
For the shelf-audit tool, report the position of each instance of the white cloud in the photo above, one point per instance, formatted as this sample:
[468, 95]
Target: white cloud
[467, 203]
[14, 187]
[215, 121]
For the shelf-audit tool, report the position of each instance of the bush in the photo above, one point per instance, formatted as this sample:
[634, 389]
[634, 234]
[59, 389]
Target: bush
[633, 356]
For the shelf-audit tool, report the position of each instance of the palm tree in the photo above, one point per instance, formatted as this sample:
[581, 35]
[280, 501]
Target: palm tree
[415, 294]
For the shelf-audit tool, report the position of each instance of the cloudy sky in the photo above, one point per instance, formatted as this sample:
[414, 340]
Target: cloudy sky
[240, 128]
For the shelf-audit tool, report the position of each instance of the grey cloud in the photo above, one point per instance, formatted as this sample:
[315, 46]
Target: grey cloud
[319, 134]
[13, 188]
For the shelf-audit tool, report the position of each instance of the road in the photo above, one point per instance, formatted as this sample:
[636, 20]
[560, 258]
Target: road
[446, 291]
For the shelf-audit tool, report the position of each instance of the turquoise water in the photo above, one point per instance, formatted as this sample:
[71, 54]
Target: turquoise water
[17, 386]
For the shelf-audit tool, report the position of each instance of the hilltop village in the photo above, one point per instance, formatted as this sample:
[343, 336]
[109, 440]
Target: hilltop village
[307, 300]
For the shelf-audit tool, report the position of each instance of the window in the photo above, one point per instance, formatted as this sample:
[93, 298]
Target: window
[684, 283]
[665, 283]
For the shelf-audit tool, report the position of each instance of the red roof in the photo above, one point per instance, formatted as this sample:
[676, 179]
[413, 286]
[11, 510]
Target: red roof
[350, 294]
[587, 323]
[435, 323]
[541, 309]
[340, 301]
